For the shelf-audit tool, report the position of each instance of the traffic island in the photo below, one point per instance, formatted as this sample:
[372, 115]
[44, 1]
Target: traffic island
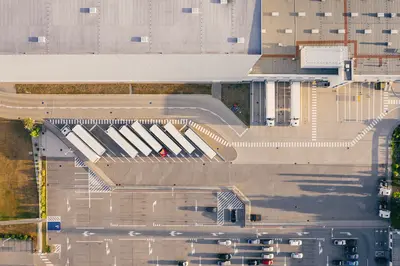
[395, 200]
[237, 98]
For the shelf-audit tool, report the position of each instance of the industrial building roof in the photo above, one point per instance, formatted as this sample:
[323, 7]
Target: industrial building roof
[323, 56]
[130, 27]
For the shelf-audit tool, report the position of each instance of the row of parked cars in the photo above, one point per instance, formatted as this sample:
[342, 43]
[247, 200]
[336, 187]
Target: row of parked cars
[350, 251]
[267, 258]
[384, 193]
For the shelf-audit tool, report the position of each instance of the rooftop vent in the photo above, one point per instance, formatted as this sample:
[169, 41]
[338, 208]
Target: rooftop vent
[353, 14]
[195, 10]
[301, 14]
[380, 15]
[288, 31]
[275, 14]
[223, 2]
[327, 14]
[92, 10]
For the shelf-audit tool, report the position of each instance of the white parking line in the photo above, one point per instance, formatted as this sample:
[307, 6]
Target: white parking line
[125, 157]
[110, 157]
[156, 158]
[104, 158]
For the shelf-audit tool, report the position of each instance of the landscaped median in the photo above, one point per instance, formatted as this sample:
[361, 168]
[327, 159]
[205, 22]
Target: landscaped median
[395, 201]
[43, 190]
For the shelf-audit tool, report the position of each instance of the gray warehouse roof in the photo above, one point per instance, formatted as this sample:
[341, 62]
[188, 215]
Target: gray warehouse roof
[130, 27]
[125, 68]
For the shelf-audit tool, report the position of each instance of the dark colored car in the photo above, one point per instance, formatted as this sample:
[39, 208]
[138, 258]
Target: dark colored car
[350, 249]
[267, 241]
[255, 217]
[211, 209]
[338, 262]
[225, 256]
[233, 216]
[352, 256]
[253, 262]
[351, 242]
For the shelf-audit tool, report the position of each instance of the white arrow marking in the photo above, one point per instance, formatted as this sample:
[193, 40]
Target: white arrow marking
[133, 233]
[174, 233]
[154, 204]
[107, 249]
[220, 233]
[195, 207]
[320, 248]
[346, 233]
[299, 233]
[68, 245]
[199, 261]
[332, 233]
[87, 233]
[110, 204]
[306, 233]
[68, 206]
[150, 249]
[242, 260]
[327, 260]
[177, 233]
[284, 264]
[66, 264]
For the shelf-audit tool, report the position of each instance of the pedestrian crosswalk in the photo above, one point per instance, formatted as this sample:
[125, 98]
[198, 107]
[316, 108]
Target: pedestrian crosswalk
[61, 121]
[53, 218]
[227, 200]
[291, 144]
[96, 184]
[209, 133]
[45, 260]
[369, 128]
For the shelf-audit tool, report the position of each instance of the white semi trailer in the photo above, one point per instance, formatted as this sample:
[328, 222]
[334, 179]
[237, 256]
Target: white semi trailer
[89, 139]
[270, 103]
[295, 99]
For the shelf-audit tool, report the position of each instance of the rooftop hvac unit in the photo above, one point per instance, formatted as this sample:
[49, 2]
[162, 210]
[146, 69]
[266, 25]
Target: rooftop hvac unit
[388, 44]
[288, 31]
[353, 14]
[380, 15]
[322, 0]
[144, 39]
[341, 31]
[314, 30]
[367, 31]
[327, 14]
[280, 44]
[195, 10]
[393, 31]
[301, 14]
[275, 14]
[223, 2]
[92, 10]
[240, 40]
[393, 15]
[41, 39]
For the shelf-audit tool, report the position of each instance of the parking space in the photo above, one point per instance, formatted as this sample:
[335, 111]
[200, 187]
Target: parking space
[163, 208]
[87, 253]
[258, 111]
[116, 155]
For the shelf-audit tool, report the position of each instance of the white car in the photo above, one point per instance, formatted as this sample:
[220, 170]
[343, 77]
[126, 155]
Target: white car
[384, 214]
[268, 249]
[338, 242]
[269, 256]
[225, 242]
[295, 242]
[297, 255]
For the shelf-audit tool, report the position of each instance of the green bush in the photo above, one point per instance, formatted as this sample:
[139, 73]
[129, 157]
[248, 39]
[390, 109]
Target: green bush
[396, 195]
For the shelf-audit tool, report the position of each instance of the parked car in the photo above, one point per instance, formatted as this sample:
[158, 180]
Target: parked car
[351, 242]
[383, 183]
[267, 262]
[255, 241]
[225, 256]
[226, 242]
[338, 262]
[297, 255]
[183, 263]
[350, 249]
[255, 217]
[233, 216]
[352, 263]
[295, 242]
[253, 262]
[268, 249]
[267, 241]
[339, 242]
[383, 205]
[211, 209]
[220, 262]
[268, 256]
[352, 256]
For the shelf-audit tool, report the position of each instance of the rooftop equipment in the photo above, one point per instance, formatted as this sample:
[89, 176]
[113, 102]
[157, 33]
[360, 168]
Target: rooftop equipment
[275, 14]
[327, 14]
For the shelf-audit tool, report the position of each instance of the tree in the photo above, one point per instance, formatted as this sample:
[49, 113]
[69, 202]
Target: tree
[29, 124]
[35, 132]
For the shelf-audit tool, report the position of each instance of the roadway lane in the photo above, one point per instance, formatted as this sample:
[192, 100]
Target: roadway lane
[202, 109]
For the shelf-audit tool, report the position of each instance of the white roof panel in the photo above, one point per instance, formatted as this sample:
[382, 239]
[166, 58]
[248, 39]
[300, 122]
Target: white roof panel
[125, 68]
[323, 56]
